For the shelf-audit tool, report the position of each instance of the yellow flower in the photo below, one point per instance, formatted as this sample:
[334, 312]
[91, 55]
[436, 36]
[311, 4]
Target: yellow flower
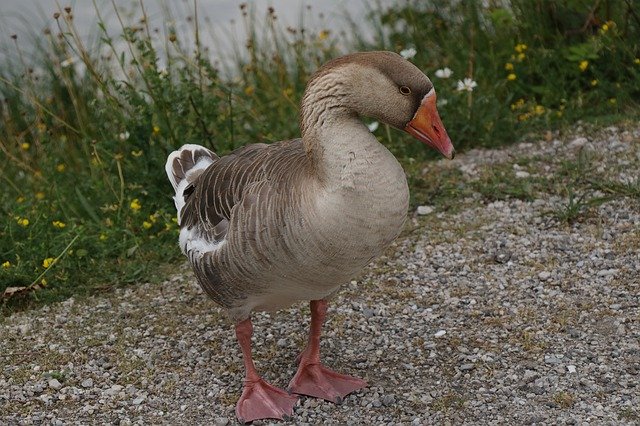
[135, 205]
[323, 34]
[604, 28]
[137, 153]
[517, 104]
[23, 221]
[524, 116]
[520, 47]
[20, 199]
[508, 66]
[583, 65]
[102, 237]
[48, 262]
[636, 61]
[249, 90]
[58, 224]
[43, 281]
[538, 110]
[153, 217]
[147, 225]
[521, 57]
[61, 167]
[156, 130]
[613, 101]
[6, 265]
[594, 82]
[25, 145]
[511, 77]
[287, 92]
[39, 195]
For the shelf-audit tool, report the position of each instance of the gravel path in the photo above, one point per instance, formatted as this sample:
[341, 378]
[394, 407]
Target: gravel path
[489, 313]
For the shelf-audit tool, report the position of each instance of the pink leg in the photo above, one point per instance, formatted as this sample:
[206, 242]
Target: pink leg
[259, 399]
[313, 378]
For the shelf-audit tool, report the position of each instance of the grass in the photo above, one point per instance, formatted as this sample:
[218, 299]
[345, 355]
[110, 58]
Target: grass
[84, 132]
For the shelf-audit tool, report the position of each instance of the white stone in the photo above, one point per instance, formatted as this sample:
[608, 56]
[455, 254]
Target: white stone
[521, 174]
[424, 210]
[54, 384]
[440, 333]
[571, 368]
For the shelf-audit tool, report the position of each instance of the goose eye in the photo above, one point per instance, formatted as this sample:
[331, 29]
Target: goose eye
[405, 90]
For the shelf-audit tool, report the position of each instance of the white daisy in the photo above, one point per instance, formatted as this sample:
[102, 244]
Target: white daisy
[444, 72]
[408, 53]
[468, 85]
[373, 126]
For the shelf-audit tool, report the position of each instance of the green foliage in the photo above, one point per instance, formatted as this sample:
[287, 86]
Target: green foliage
[536, 63]
[84, 133]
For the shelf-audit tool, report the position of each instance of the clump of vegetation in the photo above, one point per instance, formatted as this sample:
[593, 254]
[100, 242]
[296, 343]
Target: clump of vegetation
[84, 133]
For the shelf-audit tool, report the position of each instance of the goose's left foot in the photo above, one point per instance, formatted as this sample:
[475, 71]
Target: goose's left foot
[318, 381]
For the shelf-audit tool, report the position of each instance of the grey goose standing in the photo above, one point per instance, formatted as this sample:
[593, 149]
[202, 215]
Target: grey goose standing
[272, 224]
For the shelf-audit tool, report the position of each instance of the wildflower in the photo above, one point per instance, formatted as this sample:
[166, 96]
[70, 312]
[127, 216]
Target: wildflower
[137, 153]
[287, 92]
[604, 28]
[636, 61]
[67, 62]
[58, 224]
[162, 73]
[538, 110]
[323, 34]
[520, 47]
[102, 237]
[373, 126]
[594, 82]
[48, 262]
[147, 225]
[61, 167]
[43, 281]
[135, 205]
[153, 218]
[39, 195]
[25, 146]
[441, 102]
[156, 130]
[123, 136]
[6, 265]
[511, 77]
[23, 221]
[408, 53]
[583, 65]
[444, 73]
[249, 90]
[613, 101]
[468, 84]
[517, 104]
[20, 199]
[524, 116]
[521, 57]
[508, 66]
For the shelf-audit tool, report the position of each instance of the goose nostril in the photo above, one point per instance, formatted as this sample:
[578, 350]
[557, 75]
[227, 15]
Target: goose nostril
[436, 129]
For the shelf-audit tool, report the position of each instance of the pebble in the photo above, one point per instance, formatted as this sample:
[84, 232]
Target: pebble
[87, 383]
[54, 384]
[440, 333]
[424, 210]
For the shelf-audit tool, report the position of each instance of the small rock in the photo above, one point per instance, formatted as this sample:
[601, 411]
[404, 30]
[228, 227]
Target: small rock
[424, 210]
[521, 174]
[544, 275]
[551, 359]
[467, 367]
[388, 400]
[578, 142]
[88, 383]
[54, 384]
[282, 343]
[571, 368]
[139, 400]
[440, 333]
[607, 272]
[221, 421]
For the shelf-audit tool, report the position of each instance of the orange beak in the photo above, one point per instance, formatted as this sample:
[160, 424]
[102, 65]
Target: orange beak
[427, 127]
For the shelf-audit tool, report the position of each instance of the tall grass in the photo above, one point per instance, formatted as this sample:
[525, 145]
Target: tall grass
[84, 132]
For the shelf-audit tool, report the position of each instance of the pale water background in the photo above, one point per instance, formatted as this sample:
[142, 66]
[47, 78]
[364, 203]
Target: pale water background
[219, 20]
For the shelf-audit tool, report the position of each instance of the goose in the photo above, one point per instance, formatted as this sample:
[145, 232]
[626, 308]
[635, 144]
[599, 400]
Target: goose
[269, 225]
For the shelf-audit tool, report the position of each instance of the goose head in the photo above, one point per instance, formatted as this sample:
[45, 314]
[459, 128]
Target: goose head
[386, 87]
